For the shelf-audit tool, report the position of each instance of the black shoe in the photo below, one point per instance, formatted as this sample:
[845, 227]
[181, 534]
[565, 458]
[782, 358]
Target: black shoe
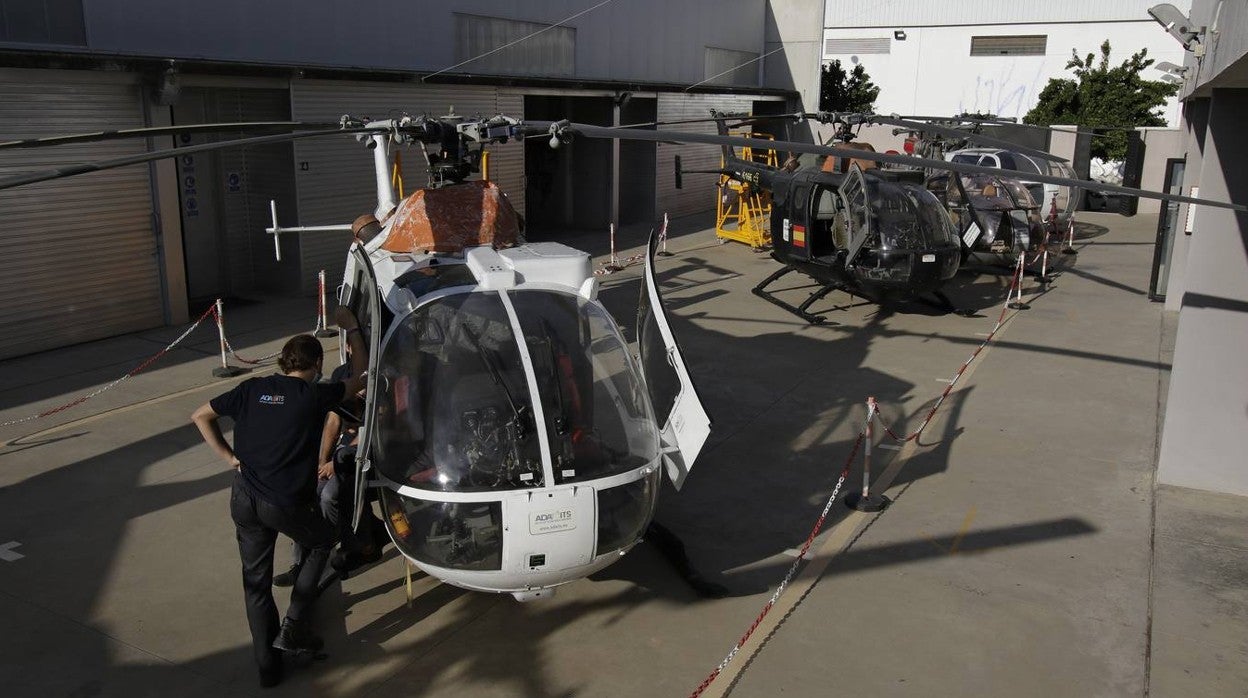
[297, 638]
[347, 562]
[287, 578]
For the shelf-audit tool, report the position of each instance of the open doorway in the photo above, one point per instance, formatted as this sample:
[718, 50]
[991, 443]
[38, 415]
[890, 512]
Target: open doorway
[570, 188]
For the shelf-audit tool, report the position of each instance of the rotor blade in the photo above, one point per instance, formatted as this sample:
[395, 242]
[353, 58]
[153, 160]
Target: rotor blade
[19, 180]
[738, 118]
[1007, 122]
[161, 131]
[905, 160]
[973, 137]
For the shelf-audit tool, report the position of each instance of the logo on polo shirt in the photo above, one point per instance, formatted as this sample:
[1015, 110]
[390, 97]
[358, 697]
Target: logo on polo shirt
[272, 399]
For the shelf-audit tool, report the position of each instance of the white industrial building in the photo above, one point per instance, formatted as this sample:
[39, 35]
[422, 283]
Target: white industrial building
[955, 56]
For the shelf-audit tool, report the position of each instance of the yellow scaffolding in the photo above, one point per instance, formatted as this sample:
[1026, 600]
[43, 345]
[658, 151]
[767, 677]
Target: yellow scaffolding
[743, 213]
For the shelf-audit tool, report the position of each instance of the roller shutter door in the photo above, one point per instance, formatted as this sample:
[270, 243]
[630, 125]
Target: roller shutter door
[698, 192]
[78, 256]
[334, 176]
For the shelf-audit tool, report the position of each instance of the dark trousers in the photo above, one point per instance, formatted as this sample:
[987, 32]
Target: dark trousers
[256, 524]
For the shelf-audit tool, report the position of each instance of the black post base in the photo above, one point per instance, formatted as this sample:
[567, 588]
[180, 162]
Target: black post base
[663, 253]
[1019, 305]
[1070, 250]
[870, 503]
[228, 371]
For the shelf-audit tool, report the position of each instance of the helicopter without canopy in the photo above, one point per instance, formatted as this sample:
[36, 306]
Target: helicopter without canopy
[868, 231]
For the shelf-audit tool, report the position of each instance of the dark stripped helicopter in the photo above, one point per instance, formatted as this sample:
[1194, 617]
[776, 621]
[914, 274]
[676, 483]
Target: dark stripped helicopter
[515, 441]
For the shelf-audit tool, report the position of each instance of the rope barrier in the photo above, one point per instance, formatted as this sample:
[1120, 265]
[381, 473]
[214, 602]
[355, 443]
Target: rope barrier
[148, 362]
[873, 415]
[615, 264]
[217, 313]
[788, 577]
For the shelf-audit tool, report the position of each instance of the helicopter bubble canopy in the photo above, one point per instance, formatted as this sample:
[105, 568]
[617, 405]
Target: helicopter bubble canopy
[908, 217]
[456, 409]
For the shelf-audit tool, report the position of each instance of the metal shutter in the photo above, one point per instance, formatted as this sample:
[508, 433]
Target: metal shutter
[698, 192]
[78, 256]
[334, 176]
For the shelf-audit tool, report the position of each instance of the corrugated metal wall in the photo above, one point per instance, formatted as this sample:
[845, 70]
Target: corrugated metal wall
[78, 256]
[698, 192]
[334, 176]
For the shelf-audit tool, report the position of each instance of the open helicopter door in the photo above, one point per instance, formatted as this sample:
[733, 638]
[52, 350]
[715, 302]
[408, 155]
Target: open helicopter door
[683, 422]
[370, 298]
[854, 194]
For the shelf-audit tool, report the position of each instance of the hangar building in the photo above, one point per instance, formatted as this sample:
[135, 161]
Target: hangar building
[138, 247]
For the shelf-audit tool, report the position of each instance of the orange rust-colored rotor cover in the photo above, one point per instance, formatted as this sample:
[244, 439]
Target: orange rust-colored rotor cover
[449, 219]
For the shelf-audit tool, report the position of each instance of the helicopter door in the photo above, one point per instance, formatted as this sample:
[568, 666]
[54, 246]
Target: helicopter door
[683, 422]
[371, 299]
[854, 193]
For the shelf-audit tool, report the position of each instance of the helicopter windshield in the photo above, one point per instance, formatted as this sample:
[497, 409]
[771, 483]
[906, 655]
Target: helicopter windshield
[454, 411]
[987, 192]
[597, 419]
[909, 217]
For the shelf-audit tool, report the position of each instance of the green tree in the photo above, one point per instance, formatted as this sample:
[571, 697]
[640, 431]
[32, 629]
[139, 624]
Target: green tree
[846, 92]
[1101, 95]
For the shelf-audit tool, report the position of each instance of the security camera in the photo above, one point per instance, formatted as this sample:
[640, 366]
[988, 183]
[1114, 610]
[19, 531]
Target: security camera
[1177, 23]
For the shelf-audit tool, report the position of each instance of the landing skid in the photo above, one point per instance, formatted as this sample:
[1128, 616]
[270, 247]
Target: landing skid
[800, 310]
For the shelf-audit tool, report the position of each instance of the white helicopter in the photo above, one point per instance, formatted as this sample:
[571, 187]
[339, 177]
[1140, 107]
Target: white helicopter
[515, 442]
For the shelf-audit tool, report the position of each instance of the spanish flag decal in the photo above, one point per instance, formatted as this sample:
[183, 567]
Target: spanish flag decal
[799, 236]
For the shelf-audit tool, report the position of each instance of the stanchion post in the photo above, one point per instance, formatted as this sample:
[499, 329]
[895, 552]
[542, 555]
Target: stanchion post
[225, 370]
[614, 264]
[322, 321]
[865, 500]
[1070, 238]
[1018, 276]
[663, 236]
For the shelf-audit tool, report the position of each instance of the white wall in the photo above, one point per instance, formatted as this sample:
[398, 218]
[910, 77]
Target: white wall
[932, 72]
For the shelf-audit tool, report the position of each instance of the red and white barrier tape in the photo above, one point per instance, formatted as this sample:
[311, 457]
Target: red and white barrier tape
[613, 264]
[788, 577]
[250, 362]
[78, 401]
[872, 414]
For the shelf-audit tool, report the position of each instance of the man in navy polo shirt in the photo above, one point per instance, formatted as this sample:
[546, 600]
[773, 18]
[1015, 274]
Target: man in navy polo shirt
[277, 429]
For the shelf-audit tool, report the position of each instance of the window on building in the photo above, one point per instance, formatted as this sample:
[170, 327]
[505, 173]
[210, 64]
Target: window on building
[552, 53]
[737, 67]
[1028, 45]
[845, 47]
[42, 22]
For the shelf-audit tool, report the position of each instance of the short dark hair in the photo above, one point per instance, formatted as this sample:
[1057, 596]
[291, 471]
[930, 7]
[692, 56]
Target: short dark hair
[300, 353]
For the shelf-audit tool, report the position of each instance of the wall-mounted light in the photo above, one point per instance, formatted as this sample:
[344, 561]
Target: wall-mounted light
[1177, 24]
[1175, 70]
[899, 34]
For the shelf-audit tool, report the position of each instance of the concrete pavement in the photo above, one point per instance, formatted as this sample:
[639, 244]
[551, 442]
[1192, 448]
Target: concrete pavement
[1020, 557]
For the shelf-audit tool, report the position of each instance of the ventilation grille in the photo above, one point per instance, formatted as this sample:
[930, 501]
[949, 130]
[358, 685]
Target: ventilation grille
[844, 47]
[1031, 45]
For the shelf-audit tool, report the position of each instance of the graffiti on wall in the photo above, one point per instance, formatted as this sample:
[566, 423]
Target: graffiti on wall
[1007, 92]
